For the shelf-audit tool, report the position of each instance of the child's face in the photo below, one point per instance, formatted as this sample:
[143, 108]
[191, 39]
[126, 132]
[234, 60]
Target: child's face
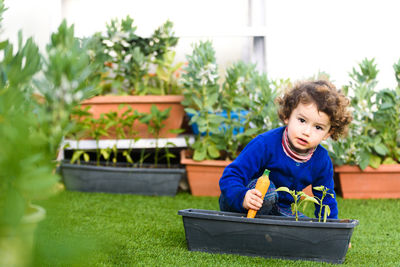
[307, 126]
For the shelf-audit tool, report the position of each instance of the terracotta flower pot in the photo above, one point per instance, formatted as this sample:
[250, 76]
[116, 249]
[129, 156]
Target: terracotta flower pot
[383, 182]
[203, 176]
[105, 104]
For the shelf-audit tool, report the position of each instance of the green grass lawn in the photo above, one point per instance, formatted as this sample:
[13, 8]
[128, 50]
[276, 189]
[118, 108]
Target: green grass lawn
[98, 229]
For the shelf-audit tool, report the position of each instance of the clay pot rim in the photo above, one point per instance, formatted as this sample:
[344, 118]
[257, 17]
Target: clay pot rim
[187, 161]
[381, 168]
[108, 99]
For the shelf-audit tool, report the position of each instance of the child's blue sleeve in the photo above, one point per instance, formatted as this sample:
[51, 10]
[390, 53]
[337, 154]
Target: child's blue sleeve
[240, 172]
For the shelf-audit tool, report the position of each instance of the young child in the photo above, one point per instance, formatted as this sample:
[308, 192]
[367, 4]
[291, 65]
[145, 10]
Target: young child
[312, 112]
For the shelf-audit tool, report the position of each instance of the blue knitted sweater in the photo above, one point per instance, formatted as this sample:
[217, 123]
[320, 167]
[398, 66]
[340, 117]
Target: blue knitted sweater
[265, 152]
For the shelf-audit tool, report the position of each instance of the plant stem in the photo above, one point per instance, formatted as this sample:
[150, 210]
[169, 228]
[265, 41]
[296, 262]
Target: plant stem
[156, 153]
[97, 152]
[321, 206]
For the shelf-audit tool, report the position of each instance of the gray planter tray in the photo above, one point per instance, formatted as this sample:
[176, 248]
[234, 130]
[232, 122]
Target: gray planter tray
[143, 181]
[267, 236]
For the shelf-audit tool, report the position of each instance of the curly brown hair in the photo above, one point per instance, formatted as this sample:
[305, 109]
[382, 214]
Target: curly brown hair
[327, 99]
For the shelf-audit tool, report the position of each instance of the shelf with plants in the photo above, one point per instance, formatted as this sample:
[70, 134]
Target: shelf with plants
[136, 166]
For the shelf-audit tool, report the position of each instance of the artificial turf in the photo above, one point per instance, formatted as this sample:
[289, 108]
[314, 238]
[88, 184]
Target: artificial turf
[99, 229]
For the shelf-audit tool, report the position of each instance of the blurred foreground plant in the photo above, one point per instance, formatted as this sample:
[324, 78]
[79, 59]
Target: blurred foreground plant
[37, 95]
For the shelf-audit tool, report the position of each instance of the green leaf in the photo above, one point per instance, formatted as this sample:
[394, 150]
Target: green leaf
[176, 131]
[283, 189]
[213, 151]
[327, 212]
[301, 194]
[190, 111]
[86, 157]
[104, 153]
[76, 155]
[374, 161]
[319, 188]
[199, 155]
[389, 161]
[364, 161]
[311, 199]
[381, 149]
[305, 205]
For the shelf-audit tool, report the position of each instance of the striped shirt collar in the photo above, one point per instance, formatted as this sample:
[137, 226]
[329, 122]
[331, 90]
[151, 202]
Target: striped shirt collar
[291, 153]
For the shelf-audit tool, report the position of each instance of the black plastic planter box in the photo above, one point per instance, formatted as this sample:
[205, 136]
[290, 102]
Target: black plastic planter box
[142, 181]
[267, 236]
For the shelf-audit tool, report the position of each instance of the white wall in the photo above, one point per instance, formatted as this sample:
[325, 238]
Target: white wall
[193, 20]
[36, 19]
[332, 36]
[303, 37]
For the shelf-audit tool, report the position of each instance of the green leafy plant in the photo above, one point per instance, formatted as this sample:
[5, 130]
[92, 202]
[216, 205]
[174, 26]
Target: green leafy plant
[250, 96]
[299, 198]
[327, 210]
[96, 131]
[35, 112]
[129, 59]
[37, 95]
[114, 121]
[106, 154]
[245, 100]
[201, 99]
[165, 81]
[66, 70]
[80, 126]
[374, 135]
[122, 122]
[154, 121]
[128, 119]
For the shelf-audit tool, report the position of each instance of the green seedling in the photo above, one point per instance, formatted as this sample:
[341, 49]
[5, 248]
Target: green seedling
[168, 155]
[80, 125]
[299, 198]
[324, 191]
[127, 120]
[154, 121]
[106, 154]
[78, 153]
[112, 122]
[98, 129]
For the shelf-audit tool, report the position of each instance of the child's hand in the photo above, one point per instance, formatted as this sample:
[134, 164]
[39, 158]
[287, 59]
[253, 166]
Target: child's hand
[252, 200]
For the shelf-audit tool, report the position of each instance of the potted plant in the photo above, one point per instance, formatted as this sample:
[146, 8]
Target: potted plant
[145, 172]
[367, 160]
[34, 116]
[227, 116]
[269, 236]
[137, 72]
